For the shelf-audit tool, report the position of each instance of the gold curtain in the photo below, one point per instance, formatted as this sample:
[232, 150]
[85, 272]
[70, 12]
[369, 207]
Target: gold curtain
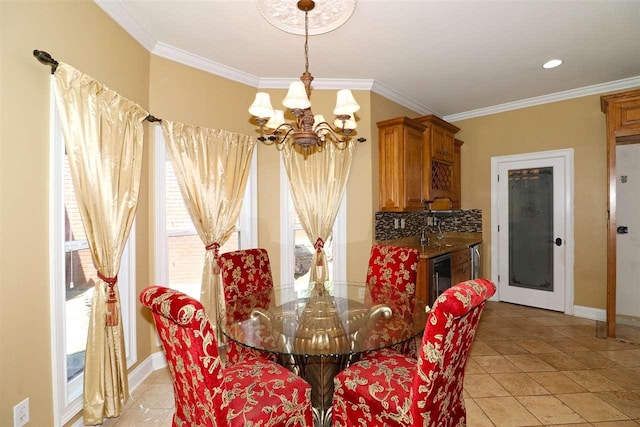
[212, 167]
[317, 180]
[103, 135]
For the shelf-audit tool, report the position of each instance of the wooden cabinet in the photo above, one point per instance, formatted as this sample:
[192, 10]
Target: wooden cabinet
[623, 112]
[417, 164]
[456, 195]
[400, 164]
[438, 160]
[423, 281]
[442, 139]
[623, 127]
[460, 266]
[455, 267]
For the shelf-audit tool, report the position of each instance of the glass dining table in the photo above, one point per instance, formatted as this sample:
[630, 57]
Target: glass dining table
[318, 330]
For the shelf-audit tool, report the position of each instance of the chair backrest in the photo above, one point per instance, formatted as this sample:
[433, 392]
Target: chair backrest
[191, 349]
[391, 277]
[447, 339]
[246, 281]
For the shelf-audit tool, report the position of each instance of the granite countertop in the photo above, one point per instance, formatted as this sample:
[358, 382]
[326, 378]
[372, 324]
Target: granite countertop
[451, 242]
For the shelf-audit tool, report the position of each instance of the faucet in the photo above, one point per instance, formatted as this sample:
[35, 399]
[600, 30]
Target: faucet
[428, 220]
[424, 239]
[440, 233]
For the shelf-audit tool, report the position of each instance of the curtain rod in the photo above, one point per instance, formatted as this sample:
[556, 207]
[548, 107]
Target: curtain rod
[46, 59]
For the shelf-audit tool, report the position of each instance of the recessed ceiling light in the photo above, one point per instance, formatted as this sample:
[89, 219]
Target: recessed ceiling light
[552, 64]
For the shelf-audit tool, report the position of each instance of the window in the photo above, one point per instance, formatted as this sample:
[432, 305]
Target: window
[72, 279]
[180, 252]
[296, 247]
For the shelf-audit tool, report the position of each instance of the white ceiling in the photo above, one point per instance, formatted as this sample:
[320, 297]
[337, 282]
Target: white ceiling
[456, 59]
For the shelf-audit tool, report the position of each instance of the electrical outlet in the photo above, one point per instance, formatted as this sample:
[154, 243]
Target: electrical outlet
[402, 223]
[21, 413]
[396, 223]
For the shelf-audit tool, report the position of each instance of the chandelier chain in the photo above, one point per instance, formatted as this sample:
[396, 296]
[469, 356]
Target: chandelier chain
[308, 130]
[306, 42]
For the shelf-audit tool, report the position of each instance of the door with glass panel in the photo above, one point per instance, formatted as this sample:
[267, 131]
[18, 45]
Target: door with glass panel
[532, 233]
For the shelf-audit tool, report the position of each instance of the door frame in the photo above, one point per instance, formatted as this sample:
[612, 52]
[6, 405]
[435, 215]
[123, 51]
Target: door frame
[567, 156]
[618, 124]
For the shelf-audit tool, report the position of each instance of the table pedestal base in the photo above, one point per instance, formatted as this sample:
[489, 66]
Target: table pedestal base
[319, 372]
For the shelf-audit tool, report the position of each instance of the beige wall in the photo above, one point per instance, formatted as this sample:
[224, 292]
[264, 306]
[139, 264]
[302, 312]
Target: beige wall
[79, 33]
[576, 123]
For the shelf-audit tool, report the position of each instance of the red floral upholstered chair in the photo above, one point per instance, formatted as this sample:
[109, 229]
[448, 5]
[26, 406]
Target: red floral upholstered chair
[254, 392]
[246, 281]
[246, 284]
[390, 389]
[391, 280]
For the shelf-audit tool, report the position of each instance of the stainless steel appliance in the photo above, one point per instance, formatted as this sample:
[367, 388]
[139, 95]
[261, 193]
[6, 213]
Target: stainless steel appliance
[440, 268]
[476, 260]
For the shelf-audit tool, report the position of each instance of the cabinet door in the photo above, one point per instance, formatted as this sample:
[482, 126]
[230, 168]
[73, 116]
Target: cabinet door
[460, 257]
[422, 284]
[627, 115]
[460, 266]
[391, 168]
[413, 169]
[461, 273]
[456, 195]
[400, 168]
[438, 159]
[442, 144]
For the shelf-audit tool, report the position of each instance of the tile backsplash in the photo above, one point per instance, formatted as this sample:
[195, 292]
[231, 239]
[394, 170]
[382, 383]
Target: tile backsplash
[466, 220]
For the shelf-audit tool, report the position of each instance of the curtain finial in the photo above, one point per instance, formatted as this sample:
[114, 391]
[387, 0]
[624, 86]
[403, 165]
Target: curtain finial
[46, 59]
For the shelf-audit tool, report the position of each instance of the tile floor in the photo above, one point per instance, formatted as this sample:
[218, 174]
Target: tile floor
[528, 367]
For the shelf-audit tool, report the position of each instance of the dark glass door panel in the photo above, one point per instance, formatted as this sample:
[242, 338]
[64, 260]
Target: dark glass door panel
[531, 241]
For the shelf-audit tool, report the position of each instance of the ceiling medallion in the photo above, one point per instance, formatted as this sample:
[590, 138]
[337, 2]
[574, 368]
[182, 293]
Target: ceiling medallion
[286, 16]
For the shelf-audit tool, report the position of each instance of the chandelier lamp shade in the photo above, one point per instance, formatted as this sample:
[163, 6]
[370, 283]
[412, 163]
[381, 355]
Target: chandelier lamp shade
[308, 130]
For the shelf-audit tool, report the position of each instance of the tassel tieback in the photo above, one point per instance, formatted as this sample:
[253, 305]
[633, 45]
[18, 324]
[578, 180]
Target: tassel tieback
[112, 300]
[215, 246]
[318, 245]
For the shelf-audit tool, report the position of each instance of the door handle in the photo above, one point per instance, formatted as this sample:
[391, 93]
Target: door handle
[557, 242]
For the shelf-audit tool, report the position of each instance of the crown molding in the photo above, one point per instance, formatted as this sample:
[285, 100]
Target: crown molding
[393, 95]
[182, 56]
[187, 58]
[545, 99]
[131, 25]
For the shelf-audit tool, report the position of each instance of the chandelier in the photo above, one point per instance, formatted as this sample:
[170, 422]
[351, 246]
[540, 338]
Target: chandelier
[308, 130]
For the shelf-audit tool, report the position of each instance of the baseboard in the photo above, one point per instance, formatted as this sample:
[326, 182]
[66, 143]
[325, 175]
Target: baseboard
[143, 370]
[589, 313]
[139, 374]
